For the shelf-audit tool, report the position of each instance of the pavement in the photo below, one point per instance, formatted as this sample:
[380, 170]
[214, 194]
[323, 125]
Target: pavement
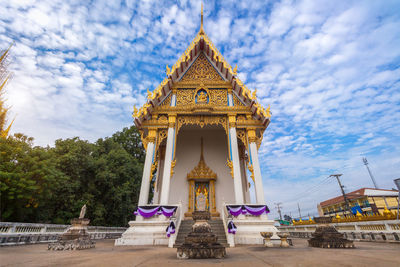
[106, 254]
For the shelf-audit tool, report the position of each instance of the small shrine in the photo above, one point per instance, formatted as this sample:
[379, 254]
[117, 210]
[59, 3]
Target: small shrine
[201, 128]
[76, 237]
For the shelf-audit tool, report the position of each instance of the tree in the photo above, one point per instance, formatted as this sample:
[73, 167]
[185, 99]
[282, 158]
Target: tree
[51, 185]
[27, 177]
[130, 140]
[4, 78]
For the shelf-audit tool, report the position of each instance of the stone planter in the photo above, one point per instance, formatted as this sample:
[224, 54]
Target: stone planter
[284, 236]
[267, 239]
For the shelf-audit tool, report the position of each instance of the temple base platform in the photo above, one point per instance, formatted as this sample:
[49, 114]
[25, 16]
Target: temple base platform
[145, 232]
[249, 229]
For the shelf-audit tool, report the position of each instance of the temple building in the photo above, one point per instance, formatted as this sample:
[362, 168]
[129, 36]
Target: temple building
[201, 128]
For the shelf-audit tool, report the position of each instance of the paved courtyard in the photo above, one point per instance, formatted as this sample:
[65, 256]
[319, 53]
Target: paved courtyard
[105, 254]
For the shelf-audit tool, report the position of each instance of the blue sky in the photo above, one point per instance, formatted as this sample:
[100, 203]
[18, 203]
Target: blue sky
[329, 69]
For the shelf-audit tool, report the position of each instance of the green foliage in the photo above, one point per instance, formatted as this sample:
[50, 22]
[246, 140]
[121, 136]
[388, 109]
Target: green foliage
[51, 184]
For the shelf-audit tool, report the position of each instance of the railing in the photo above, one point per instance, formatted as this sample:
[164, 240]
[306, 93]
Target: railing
[225, 219]
[385, 230]
[387, 215]
[177, 218]
[12, 233]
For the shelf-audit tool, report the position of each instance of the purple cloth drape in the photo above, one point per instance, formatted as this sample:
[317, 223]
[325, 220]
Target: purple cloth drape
[170, 229]
[231, 227]
[235, 211]
[150, 211]
[147, 213]
[255, 210]
[167, 212]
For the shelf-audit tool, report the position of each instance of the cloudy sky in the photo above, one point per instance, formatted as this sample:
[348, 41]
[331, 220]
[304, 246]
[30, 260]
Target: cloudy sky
[329, 69]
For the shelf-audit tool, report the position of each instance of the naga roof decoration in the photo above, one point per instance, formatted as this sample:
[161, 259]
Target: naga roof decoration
[201, 45]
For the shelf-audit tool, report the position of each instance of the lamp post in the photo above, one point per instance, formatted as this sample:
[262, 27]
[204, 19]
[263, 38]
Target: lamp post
[397, 182]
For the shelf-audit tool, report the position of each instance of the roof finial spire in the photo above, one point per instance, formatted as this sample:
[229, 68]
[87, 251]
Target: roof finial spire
[201, 25]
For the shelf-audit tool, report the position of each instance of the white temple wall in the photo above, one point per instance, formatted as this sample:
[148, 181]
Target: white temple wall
[187, 157]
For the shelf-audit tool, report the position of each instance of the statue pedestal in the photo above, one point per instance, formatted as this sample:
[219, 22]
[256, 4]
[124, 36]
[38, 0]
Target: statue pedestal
[326, 236]
[201, 243]
[76, 237]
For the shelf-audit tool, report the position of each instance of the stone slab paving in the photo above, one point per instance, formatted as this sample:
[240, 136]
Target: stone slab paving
[106, 254]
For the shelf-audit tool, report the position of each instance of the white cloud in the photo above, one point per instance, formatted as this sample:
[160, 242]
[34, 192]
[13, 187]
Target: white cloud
[329, 70]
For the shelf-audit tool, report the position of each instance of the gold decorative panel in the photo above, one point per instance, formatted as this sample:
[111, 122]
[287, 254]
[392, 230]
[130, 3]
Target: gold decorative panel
[219, 97]
[167, 101]
[241, 134]
[184, 97]
[236, 101]
[201, 70]
[202, 121]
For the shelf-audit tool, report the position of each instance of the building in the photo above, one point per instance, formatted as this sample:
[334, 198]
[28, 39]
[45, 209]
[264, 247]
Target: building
[365, 200]
[201, 128]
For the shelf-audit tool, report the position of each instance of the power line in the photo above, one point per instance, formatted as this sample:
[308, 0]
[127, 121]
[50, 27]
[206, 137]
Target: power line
[311, 189]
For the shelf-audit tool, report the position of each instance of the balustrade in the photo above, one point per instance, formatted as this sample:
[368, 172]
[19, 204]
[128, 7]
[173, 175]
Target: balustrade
[30, 233]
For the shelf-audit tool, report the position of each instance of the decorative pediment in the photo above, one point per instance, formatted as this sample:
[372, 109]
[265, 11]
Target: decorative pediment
[202, 171]
[201, 66]
[201, 71]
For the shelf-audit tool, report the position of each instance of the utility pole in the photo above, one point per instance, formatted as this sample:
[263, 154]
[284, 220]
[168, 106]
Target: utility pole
[278, 206]
[346, 201]
[373, 179]
[298, 206]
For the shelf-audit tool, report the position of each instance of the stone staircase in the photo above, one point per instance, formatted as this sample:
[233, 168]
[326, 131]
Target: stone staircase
[217, 228]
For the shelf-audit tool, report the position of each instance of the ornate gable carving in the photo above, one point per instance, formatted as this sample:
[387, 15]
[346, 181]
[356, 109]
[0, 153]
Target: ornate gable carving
[201, 71]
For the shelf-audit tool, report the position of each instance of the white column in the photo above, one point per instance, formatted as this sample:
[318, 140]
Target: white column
[230, 100]
[144, 188]
[256, 168]
[169, 154]
[237, 178]
[173, 100]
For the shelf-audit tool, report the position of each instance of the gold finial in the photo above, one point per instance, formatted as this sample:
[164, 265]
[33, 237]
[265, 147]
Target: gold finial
[4, 133]
[168, 70]
[135, 111]
[149, 94]
[254, 96]
[235, 70]
[201, 25]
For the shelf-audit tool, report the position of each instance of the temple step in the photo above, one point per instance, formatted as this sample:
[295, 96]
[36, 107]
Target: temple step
[217, 228]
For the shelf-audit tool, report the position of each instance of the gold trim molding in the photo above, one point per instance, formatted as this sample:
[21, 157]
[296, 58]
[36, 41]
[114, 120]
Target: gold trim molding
[201, 121]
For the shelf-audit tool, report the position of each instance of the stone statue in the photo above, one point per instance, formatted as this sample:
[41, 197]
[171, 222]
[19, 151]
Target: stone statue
[202, 97]
[83, 211]
[201, 202]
